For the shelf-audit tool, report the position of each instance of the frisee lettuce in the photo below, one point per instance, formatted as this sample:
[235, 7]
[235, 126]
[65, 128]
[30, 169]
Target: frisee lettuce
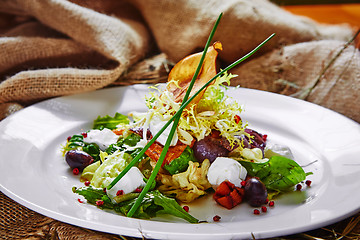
[215, 111]
[110, 168]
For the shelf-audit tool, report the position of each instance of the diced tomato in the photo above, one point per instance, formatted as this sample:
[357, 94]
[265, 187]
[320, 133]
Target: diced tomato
[237, 195]
[228, 195]
[118, 131]
[224, 188]
[156, 148]
[237, 119]
[225, 201]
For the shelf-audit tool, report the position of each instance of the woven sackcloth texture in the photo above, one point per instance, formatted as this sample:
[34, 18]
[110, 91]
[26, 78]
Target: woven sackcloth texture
[53, 48]
[68, 49]
[22, 223]
[325, 72]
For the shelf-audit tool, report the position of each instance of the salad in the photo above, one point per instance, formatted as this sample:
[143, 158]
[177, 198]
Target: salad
[212, 152]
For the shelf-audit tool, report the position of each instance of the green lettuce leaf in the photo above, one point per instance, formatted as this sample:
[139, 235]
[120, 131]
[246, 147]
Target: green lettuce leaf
[75, 142]
[93, 150]
[110, 122]
[279, 173]
[94, 194]
[181, 163]
[110, 169]
[130, 140]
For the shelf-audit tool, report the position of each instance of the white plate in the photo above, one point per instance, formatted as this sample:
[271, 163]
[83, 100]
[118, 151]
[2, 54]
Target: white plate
[33, 172]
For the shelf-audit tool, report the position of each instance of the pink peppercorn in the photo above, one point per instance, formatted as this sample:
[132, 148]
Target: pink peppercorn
[76, 171]
[216, 218]
[186, 208]
[138, 190]
[264, 209]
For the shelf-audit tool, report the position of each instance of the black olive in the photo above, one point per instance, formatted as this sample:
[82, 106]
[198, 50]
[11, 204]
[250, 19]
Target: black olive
[78, 159]
[255, 192]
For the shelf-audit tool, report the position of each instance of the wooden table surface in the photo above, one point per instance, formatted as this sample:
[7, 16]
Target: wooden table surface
[331, 13]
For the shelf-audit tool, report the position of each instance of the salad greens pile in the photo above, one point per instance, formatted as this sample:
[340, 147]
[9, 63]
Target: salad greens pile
[117, 155]
[278, 173]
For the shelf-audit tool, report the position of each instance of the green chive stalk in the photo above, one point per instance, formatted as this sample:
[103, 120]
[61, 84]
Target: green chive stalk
[174, 126]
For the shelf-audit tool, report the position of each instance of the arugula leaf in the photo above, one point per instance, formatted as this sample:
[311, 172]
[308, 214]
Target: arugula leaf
[130, 140]
[126, 197]
[153, 203]
[76, 142]
[110, 122]
[172, 207]
[279, 173]
[181, 163]
[114, 147]
[146, 210]
[93, 150]
[94, 194]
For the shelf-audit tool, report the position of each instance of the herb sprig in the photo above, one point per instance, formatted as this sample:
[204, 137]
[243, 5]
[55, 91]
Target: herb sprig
[175, 119]
[174, 126]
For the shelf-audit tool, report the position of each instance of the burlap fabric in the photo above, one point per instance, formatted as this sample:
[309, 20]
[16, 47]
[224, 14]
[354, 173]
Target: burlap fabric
[53, 48]
[325, 72]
